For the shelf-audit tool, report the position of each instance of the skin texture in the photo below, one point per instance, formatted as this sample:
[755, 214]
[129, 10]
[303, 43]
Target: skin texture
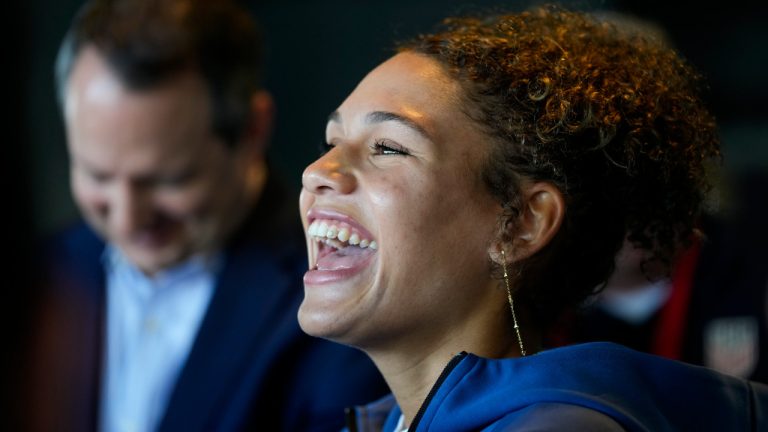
[148, 172]
[414, 183]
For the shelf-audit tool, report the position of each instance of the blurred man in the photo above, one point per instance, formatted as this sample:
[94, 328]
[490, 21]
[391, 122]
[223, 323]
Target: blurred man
[174, 306]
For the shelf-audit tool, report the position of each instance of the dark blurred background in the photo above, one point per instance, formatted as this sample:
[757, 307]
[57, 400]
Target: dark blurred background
[317, 52]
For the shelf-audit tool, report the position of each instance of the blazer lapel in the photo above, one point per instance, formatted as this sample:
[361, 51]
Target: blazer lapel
[249, 323]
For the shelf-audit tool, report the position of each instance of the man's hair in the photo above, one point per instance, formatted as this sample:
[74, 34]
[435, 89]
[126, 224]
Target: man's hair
[147, 42]
[612, 117]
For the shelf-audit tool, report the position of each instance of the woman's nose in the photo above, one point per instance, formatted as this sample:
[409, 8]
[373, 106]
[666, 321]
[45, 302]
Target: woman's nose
[330, 173]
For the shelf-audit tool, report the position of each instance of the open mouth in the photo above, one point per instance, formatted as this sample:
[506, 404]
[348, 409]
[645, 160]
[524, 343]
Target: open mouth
[339, 245]
[338, 249]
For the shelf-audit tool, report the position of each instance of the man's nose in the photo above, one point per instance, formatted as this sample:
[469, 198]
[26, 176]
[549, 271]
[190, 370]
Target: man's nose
[130, 207]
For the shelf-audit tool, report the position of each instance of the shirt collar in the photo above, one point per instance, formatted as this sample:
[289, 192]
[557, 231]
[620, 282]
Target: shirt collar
[116, 262]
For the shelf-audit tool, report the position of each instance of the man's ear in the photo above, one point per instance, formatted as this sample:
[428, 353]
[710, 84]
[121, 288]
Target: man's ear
[260, 121]
[539, 221]
[254, 142]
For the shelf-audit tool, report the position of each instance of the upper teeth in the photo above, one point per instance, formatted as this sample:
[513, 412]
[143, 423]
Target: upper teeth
[335, 230]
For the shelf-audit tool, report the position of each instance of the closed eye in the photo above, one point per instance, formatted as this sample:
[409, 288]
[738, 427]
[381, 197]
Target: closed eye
[387, 148]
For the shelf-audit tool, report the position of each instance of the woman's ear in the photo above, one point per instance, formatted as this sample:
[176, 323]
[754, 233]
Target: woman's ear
[542, 213]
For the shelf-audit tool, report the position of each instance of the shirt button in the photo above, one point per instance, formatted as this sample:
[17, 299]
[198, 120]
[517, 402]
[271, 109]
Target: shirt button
[151, 325]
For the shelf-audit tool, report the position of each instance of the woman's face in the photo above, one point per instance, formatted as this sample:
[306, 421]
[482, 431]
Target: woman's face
[399, 223]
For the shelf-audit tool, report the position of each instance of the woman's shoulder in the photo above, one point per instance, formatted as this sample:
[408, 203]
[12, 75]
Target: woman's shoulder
[550, 417]
[608, 385]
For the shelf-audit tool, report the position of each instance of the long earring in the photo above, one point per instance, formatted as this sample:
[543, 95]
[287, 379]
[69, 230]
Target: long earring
[511, 302]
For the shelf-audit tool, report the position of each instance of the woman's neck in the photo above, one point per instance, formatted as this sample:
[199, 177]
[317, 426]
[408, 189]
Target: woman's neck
[411, 376]
[411, 373]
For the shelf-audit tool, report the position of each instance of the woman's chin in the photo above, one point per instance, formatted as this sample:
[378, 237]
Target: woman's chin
[335, 309]
[322, 322]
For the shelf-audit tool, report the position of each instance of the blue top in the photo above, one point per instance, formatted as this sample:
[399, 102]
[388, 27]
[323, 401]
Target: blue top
[594, 386]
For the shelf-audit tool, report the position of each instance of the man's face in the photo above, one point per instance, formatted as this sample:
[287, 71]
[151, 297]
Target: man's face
[147, 171]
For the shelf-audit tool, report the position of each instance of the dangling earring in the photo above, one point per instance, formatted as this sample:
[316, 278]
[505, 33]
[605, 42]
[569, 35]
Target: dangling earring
[511, 302]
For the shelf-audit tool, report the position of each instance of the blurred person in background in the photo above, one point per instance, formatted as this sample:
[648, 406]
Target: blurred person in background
[173, 305]
[711, 309]
[710, 305]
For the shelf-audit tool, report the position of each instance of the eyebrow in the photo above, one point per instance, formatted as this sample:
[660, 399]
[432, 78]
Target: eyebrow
[385, 116]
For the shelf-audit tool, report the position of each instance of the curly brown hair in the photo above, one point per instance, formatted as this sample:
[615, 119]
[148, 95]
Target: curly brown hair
[613, 118]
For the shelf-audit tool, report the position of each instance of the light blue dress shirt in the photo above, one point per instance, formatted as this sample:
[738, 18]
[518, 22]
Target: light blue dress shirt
[151, 326]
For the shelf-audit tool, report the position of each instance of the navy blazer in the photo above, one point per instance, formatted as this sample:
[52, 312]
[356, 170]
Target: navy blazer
[250, 367]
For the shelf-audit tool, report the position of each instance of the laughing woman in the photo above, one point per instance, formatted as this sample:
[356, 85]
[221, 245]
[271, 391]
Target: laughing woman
[480, 182]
